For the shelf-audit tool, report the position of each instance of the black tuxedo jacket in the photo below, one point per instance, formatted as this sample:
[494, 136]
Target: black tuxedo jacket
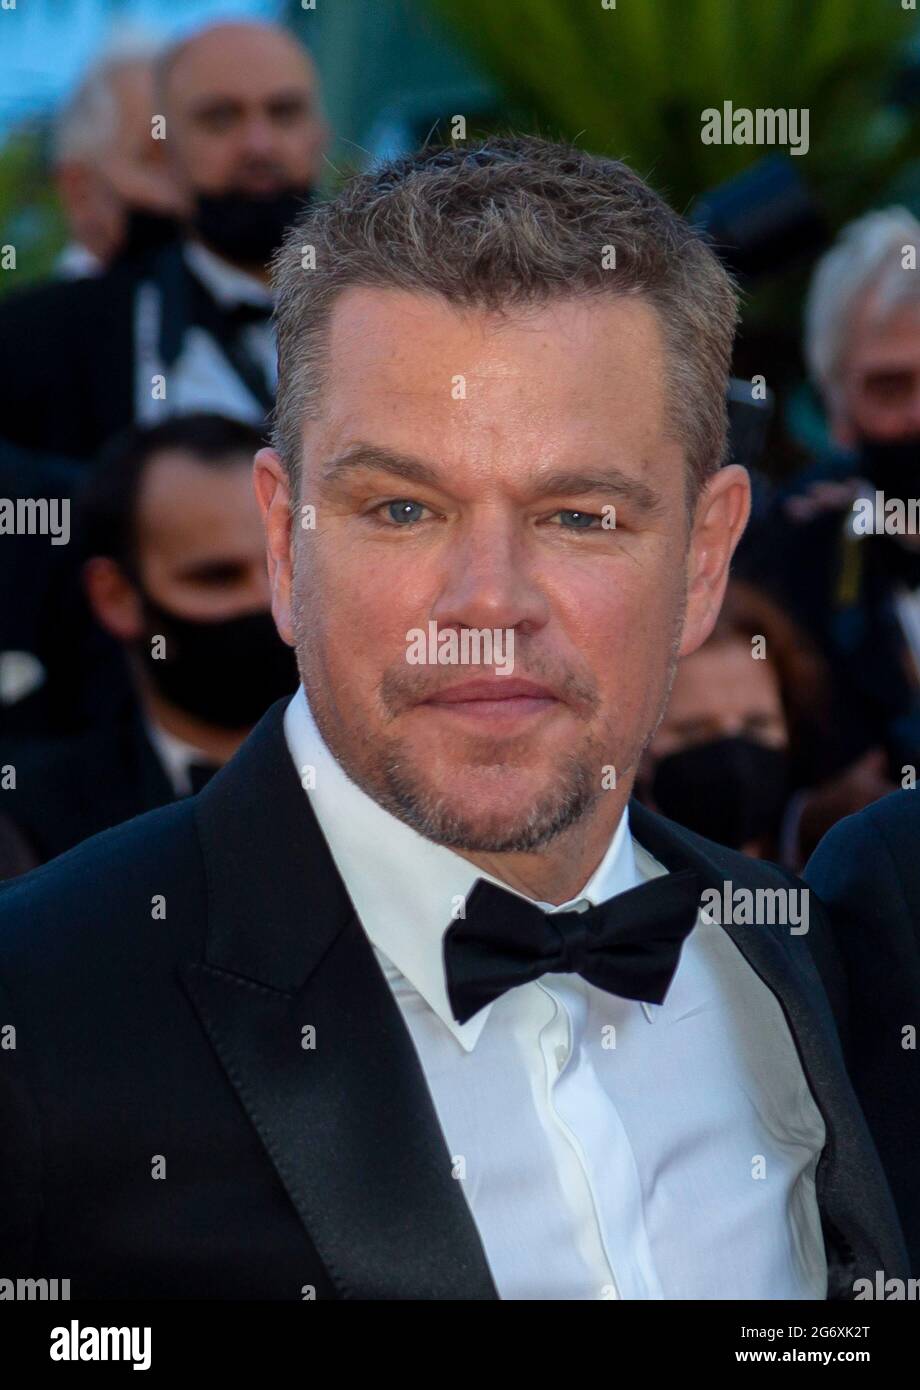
[165, 1133]
[68, 353]
[67, 362]
[867, 870]
[68, 789]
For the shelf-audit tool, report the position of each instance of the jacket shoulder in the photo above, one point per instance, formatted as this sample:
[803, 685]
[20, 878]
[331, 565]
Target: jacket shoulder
[892, 822]
[896, 816]
[94, 907]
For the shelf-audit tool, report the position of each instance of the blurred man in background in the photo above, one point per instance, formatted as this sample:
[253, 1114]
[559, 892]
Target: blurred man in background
[118, 197]
[186, 328]
[858, 592]
[176, 574]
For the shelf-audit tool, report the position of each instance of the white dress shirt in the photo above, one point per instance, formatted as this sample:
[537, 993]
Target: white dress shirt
[606, 1148]
[175, 755]
[202, 378]
[75, 262]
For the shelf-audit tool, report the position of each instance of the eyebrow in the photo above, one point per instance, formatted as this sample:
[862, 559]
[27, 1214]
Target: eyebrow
[611, 483]
[219, 101]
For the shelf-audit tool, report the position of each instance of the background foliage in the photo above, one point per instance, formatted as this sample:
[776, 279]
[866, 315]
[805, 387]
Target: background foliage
[633, 81]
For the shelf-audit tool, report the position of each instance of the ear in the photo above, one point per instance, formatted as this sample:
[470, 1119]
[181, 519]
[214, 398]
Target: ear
[273, 495]
[720, 517]
[115, 602]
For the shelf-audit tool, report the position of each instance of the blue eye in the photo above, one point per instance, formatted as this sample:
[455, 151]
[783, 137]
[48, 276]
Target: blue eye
[580, 521]
[404, 511]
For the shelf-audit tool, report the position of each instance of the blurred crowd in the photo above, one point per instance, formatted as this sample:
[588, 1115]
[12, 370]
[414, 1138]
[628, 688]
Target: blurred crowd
[137, 385]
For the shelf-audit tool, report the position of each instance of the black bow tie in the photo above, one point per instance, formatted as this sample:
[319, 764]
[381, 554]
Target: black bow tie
[629, 945]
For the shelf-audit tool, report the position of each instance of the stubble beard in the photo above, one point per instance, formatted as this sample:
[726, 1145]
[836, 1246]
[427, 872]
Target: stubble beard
[385, 767]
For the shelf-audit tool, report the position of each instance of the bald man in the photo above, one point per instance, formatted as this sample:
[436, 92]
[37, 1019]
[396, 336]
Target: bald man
[245, 136]
[186, 327]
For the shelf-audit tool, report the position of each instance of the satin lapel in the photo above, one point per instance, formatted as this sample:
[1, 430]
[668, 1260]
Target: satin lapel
[856, 1206]
[342, 1109]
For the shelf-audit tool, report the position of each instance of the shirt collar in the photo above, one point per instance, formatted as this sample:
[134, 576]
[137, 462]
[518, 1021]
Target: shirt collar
[406, 889]
[227, 283]
[174, 754]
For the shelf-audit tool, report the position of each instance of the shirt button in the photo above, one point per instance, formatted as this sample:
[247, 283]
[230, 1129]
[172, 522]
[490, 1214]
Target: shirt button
[562, 1055]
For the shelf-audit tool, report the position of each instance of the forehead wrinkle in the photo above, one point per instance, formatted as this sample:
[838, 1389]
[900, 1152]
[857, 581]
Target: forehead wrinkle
[371, 456]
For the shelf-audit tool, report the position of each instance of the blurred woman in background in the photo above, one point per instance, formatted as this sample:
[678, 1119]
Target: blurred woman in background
[734, 751]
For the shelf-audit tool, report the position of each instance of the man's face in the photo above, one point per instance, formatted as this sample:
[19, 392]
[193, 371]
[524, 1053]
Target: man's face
[458, 458]
[201, 552]
[880, 377]
[243, 113]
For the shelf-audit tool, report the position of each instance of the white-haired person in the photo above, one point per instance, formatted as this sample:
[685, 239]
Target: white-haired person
[117, 193]
[841, 549]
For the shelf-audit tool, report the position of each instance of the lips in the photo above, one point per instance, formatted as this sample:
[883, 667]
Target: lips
[490, 691]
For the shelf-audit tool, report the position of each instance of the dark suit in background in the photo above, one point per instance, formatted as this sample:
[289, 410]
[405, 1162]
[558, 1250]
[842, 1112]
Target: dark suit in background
[840, 589]
[69, 789]
[867, 871]
[80, 677]
[67, 363]
[69, 352]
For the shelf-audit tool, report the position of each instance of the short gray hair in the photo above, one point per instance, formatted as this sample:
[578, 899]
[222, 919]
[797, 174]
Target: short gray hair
[88, 121]
[867, 256]
[511, 221]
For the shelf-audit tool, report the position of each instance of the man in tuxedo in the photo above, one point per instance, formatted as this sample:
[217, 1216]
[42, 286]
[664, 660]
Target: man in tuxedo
[413, 1001]
[867, 872]
[187, 326]
[175, 577]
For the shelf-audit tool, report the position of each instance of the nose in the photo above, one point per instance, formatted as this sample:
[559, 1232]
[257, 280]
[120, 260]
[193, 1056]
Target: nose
[489, 581]
[259, 136]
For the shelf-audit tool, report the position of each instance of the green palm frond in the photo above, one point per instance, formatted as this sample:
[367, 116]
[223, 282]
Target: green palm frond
[633, 81]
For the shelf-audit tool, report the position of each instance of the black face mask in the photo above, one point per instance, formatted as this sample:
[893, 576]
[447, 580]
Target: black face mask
[893, 467]
[146, 232]
[225, 673]
[247, 228]
[731, 790]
